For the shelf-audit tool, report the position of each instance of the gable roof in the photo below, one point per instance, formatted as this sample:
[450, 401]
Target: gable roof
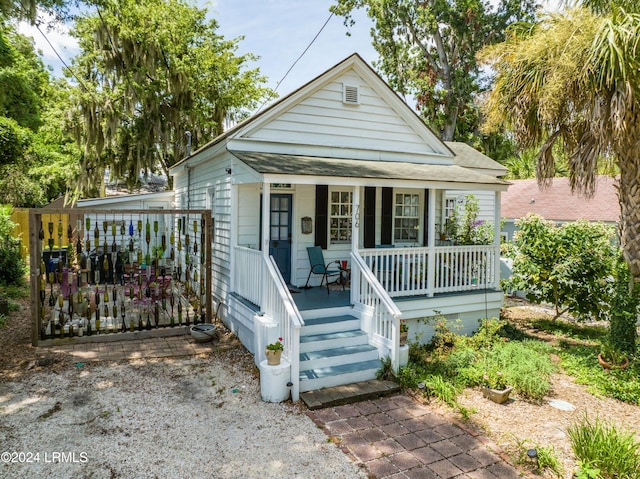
[558, 203]
[251, 130]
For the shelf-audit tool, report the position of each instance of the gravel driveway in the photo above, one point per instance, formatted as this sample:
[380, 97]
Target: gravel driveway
[172, 418]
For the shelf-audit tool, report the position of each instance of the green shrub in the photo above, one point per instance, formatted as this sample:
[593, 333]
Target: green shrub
[386, 369]
[12, 268]
[569, 266]
[601, 445]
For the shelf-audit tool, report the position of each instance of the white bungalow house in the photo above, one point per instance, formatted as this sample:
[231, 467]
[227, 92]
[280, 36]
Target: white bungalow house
[344, 164]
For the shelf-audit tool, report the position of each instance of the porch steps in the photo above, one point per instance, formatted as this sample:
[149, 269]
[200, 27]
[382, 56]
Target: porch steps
[348, 393]
[335, 352]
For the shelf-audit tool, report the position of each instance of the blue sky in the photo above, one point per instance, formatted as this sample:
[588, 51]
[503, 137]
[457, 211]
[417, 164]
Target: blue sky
[278, 31]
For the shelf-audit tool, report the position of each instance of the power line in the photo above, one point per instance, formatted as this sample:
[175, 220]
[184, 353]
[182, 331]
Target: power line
[300, 56]
[36, 23]
[69, 69]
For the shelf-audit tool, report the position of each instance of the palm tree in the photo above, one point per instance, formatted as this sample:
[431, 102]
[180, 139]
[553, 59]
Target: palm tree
[572, 81]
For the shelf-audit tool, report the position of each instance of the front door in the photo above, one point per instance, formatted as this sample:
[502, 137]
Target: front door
[280, 233]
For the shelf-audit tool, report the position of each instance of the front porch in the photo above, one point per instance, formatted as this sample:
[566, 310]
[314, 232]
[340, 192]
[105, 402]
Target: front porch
[388, 237]
[338, 337]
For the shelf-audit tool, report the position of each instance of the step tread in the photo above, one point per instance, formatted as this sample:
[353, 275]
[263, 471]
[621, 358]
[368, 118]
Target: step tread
[339, 370]
[348, 393]
[330, 353]
[353, 333]
[329, 320]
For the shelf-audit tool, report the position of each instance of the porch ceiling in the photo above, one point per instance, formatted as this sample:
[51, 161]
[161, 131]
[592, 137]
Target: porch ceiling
[274, 163]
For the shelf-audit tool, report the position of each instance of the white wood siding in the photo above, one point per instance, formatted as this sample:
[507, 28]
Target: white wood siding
[203, 178]
[467, 307]
[249, 215]
[304, 201]
[323, 119]
[486, 202]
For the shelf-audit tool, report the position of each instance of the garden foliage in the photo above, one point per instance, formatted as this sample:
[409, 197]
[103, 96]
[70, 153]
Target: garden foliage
[488, 358]
[570, 266]
[12, 267]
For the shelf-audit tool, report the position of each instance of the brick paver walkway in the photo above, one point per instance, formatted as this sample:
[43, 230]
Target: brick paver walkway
[163, 347]
[396, 437]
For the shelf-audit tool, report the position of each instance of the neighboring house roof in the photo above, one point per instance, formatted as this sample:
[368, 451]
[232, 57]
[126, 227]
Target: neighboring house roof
[558, 203]
[468, 157]
[167, 195]
[265, 163]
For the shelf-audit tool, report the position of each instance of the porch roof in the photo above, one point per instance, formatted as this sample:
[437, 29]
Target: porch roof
[300, 165]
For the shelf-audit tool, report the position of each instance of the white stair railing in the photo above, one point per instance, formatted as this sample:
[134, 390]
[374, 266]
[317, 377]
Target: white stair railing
[278, 303]
[384, 327]
[248, 275]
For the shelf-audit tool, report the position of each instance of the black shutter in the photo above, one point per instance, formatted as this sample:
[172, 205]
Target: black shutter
[369, 225]
[322, 209]
[425, 227]
[386, 223]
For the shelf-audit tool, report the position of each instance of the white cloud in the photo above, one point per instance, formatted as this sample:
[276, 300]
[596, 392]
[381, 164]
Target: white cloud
[59, 37]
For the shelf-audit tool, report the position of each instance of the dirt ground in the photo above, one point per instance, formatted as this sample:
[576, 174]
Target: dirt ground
[518, 425]
[514, 426]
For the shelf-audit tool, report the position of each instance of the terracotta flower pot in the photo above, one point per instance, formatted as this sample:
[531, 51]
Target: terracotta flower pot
[497, 395]
[608, 365]
[273, 357]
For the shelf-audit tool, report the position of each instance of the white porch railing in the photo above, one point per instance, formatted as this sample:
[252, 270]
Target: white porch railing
[465, 268]
[248, 274]
[384, 326]
[278, 303]
[408, 271]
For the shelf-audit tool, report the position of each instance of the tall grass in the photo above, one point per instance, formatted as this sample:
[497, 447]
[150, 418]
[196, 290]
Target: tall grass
[463, 361]
[614, 452]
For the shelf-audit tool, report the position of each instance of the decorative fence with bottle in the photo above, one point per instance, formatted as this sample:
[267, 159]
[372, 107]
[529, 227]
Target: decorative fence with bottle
[118, 271]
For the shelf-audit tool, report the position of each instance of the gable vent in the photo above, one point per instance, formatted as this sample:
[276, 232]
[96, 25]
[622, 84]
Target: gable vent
[350, 94]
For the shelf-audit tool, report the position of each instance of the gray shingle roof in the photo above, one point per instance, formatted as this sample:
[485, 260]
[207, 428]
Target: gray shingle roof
[274, 163]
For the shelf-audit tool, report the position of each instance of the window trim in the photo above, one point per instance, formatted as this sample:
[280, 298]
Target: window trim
[419, 216]
[349, 218]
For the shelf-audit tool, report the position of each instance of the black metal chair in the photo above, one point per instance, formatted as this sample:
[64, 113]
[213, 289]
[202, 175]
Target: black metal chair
[318, 266]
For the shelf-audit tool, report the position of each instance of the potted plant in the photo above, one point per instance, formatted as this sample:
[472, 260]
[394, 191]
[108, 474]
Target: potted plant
[495, 386]
[404, 332]
[611, 358]
[273, 352]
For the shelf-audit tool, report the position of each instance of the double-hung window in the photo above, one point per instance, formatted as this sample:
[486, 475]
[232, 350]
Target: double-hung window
[406, 221]
[340, 216]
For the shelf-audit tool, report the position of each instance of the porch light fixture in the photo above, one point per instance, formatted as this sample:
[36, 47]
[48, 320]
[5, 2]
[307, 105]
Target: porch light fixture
[228, 170]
